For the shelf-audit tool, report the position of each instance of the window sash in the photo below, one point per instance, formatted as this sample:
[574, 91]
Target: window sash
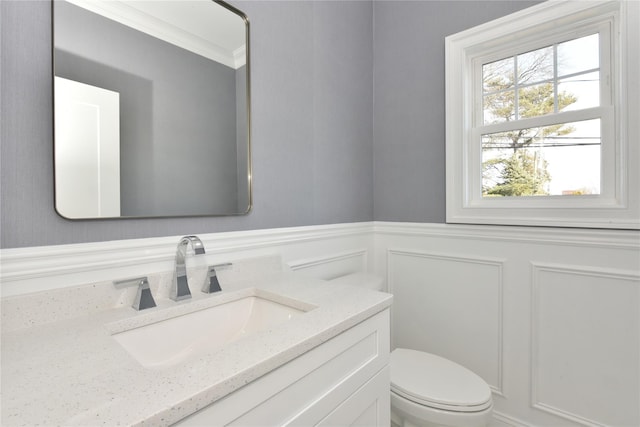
[607, 194]
[603, 28]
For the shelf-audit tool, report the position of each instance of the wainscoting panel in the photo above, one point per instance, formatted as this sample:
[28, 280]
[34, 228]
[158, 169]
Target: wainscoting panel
[586, 344]
[450, 305]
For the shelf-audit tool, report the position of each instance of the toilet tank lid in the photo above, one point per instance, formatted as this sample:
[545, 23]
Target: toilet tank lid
[429, 379]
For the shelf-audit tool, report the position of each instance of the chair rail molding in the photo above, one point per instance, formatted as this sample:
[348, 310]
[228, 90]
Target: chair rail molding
[606, 238]
[32, 269]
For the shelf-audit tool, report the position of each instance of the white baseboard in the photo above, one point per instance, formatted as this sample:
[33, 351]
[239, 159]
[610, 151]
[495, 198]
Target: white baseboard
[504, 420]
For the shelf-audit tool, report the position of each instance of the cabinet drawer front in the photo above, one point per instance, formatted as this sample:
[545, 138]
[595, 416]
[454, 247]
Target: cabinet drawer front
[369, 406]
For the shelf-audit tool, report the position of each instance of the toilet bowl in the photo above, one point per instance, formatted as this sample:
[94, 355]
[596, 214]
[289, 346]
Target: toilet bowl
[428, 391]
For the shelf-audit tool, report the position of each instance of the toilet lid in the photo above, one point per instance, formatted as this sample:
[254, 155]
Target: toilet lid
[436, 382]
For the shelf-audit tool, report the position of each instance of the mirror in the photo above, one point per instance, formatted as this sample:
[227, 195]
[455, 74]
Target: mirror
[152, 111]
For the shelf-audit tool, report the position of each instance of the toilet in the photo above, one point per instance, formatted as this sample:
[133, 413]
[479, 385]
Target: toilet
[428, 390]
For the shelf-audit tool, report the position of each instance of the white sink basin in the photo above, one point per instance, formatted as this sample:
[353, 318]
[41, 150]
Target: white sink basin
[162, 343]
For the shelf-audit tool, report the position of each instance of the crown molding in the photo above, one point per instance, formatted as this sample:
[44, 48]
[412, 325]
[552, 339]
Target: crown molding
[162, 29]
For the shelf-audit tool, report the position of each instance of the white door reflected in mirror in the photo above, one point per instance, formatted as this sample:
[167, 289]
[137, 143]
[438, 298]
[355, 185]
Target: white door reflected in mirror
[87, 154]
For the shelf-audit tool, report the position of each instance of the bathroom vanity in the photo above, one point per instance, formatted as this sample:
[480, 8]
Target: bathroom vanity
[342, 382]
[325, 365]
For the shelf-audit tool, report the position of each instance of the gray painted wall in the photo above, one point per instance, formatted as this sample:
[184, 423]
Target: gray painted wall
[243, 149]
[317, 136]
[409, 119]
[312, 125]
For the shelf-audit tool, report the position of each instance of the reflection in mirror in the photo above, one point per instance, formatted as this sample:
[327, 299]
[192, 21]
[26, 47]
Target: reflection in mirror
[151, 109]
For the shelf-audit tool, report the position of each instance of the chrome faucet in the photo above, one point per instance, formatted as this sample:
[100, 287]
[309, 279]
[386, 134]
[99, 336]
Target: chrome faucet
[180, 286]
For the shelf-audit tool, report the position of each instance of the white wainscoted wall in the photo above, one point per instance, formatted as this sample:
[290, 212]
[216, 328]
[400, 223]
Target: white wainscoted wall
[550, 318]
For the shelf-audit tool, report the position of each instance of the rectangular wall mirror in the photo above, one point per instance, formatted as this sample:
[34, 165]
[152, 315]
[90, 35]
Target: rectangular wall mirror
[152, 109]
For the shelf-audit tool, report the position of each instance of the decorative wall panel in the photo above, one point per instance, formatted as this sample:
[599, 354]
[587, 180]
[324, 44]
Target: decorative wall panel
[449, 305]
[332, 265]
[586, 344]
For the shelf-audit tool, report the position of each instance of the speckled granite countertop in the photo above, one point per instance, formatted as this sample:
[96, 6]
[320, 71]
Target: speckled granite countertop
[73, 372]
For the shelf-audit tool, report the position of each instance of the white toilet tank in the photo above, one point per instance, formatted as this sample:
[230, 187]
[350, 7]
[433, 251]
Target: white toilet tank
[365, 280]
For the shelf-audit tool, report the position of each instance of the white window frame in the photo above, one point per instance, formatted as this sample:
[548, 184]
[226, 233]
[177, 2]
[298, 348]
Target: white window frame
[618, 204]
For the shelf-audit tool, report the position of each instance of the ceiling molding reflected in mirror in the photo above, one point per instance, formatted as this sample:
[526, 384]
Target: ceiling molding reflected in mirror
[152, 109]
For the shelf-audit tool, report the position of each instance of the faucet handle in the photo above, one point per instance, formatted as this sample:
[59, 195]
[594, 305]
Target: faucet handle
[211, 283]
[143, 298]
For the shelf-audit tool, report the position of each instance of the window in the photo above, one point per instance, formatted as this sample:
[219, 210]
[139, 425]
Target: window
[540, 117]
[541, 110]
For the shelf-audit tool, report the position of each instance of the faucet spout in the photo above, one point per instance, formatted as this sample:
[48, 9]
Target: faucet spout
[180, 286]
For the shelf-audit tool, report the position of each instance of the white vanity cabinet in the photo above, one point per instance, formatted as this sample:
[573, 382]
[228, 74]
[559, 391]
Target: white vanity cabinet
[343, 382]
